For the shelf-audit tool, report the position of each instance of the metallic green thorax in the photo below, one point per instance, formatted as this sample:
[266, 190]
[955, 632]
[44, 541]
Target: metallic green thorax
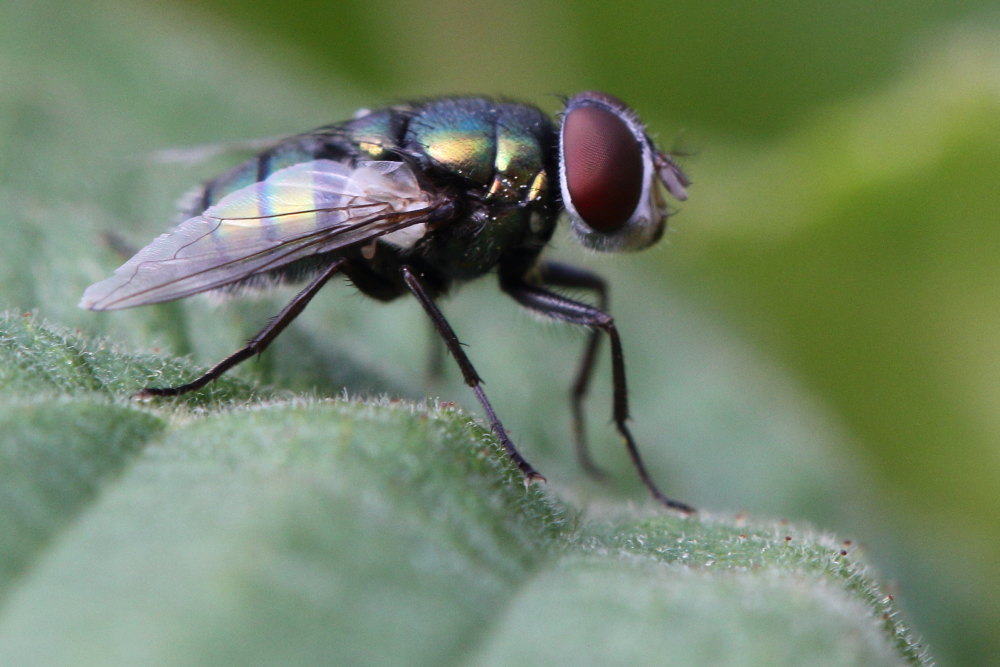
[498, 157]
[501, 151]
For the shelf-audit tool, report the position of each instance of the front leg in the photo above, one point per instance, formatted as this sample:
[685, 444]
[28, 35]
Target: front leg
[557, 274]
[558, 307]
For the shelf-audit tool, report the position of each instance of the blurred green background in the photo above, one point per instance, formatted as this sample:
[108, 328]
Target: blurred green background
[839, 251]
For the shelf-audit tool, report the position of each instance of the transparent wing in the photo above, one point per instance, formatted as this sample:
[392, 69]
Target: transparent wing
[302, 210]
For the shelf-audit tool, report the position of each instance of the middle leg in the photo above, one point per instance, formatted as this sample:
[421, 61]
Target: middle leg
[417, 288]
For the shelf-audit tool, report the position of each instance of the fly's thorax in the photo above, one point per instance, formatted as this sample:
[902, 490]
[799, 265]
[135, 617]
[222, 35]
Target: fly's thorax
[455, 136]
[475, 244]
[502, 150]
[497, 157]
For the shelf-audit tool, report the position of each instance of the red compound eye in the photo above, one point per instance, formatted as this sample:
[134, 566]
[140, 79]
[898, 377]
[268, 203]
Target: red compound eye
[603, 166]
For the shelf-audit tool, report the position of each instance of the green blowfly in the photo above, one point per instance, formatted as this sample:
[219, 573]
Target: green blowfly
[412, 198]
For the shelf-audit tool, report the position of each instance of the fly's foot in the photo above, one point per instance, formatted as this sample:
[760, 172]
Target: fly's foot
[531, 477]
[144, 395]
[149, 393]
[683, 508]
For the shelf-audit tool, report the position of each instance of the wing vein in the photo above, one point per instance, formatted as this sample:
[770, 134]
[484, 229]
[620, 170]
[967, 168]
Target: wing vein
[313, 208]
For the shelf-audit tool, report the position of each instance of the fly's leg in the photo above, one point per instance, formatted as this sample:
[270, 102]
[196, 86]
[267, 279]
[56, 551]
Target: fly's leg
[562, 308]
[563, 275]
[472, 378]
[435, 358]
[259, 342]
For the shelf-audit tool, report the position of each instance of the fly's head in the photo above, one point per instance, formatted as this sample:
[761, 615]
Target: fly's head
[610, 172]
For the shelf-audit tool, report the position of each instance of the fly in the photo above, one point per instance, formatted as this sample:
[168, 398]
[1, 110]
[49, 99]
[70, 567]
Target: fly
[412, 199]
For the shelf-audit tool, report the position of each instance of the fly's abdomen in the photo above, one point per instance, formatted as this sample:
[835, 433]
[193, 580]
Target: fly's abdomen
[370, 136]
[303, 148]
[374, 135]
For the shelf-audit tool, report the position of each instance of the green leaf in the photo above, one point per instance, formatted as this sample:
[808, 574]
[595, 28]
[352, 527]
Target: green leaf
[234, 530]
[256, 523]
